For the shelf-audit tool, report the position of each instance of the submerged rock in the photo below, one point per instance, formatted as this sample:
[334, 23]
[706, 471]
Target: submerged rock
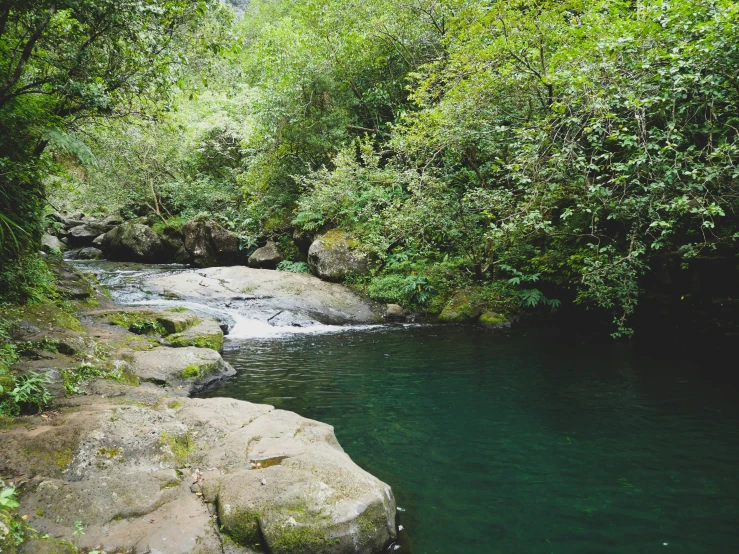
[266, 257]
[334, 254]
[133, 242]
[209, 244]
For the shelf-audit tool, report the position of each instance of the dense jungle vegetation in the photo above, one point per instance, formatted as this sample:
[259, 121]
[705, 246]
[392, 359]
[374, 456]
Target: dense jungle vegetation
[540, 152]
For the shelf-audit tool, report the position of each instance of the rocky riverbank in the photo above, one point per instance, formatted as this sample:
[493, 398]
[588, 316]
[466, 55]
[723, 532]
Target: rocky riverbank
[123, 460]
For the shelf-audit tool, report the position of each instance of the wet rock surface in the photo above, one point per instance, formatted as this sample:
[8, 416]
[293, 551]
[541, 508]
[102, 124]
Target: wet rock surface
[273, 296]
[143, 468]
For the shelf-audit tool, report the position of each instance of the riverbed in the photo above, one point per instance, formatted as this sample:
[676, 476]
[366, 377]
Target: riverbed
[509, 443]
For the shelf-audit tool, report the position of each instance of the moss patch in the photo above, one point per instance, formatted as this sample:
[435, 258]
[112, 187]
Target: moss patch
[180, 447]
[493, 320]
[198, 371]
[336, 238]
[140, 323]
[460, 308]
[243, 528]
[214, 341]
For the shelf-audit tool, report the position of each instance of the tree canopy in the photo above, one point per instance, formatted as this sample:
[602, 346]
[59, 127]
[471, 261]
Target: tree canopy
[537, 151]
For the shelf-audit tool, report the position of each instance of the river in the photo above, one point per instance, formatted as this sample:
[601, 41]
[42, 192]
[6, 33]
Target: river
[517, 443]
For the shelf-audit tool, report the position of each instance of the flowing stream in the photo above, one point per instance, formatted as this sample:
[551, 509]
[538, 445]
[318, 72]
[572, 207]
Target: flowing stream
[506, 444]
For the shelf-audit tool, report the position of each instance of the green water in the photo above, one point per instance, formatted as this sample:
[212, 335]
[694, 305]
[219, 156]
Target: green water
[497, 444]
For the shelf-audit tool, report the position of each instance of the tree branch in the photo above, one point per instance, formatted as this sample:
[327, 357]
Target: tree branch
[26, 54]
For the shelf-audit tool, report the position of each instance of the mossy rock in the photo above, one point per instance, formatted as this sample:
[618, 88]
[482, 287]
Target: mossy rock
[493, 320]
[177, 322]
[7, 382]
[461, 308]
[154, 323]
[334, 255]
[198, 371]
[206, 334]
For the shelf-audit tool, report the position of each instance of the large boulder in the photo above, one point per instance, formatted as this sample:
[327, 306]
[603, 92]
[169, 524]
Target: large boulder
[266, 257]
[208, 244]
[289, 487]
[334, 254]
[461, 308]
[133, 242]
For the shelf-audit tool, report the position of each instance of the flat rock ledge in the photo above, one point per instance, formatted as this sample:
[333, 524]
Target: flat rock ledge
[143, 468]
[271, 292]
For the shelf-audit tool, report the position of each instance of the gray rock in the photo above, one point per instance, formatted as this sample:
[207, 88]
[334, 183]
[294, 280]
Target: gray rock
[186, 369]
[305, 490]
[83, 235]
[89, 253]
[334, 254]
[98, 241]
[70, 223]
[208, 244]
[266, 293]
[133, 242]
[132, 475]
[112, 221]
[266, 257]
[205, 334]
[51, 244]
[394, 312]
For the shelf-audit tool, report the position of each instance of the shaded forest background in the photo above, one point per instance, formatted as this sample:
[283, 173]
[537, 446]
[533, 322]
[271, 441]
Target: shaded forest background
[542, 154]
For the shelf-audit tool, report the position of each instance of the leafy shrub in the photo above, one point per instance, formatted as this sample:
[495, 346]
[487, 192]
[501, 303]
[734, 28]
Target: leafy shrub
[27, 280]
[293, 267]
[31, 393]
[7, 499]
[406, 290]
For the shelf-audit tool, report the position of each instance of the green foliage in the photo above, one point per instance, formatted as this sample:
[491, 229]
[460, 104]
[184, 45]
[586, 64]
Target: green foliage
[62, 63]
[141, 324]
[406, 290]
[27, 279]
[531, 149]
[74, 378]
[7, 499]
[31, 393]
[293, 267]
